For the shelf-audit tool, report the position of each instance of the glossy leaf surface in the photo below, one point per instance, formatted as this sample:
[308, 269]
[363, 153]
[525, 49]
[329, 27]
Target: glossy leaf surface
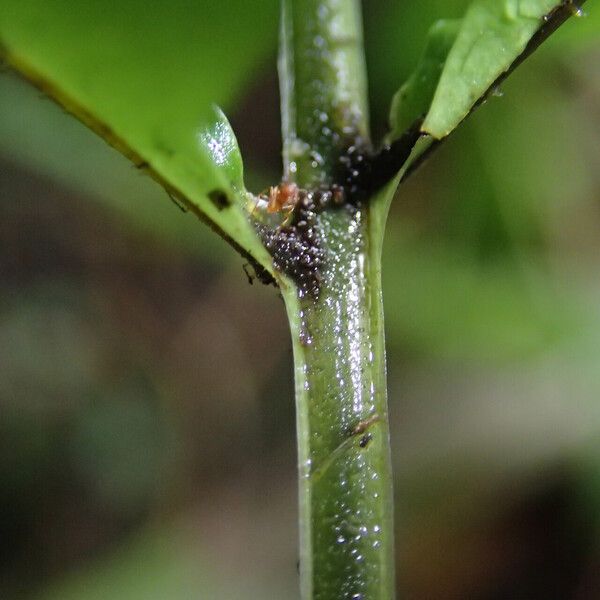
[492, 36]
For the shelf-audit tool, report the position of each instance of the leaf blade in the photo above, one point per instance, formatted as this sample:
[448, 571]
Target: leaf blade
[413, 99]
[127, 71]
[493, 35]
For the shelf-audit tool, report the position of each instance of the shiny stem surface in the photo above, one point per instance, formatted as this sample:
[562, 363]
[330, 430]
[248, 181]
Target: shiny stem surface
[345, 482]
[323, 87]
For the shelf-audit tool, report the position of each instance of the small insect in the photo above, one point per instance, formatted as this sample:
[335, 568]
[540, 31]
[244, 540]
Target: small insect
[283, 197]
[365, 439]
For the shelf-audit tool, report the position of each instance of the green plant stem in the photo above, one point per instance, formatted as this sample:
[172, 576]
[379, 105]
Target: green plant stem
[323, 86]
[345, 482]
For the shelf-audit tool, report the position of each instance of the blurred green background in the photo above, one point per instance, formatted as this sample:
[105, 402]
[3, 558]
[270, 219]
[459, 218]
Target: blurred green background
[147, 444]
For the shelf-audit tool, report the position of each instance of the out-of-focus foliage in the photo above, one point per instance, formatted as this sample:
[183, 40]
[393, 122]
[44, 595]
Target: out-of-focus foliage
[157, 565]
[491, 294]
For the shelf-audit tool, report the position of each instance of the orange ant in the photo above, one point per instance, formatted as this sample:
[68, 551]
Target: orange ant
[282, 197]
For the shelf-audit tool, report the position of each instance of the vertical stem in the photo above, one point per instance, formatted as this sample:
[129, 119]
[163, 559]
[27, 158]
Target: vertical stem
[323, 86]
[345, 483]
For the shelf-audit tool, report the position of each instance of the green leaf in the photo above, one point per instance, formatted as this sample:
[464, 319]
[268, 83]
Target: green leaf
[80, 162]
[494, 33]
[145, 76]
[413, 99]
